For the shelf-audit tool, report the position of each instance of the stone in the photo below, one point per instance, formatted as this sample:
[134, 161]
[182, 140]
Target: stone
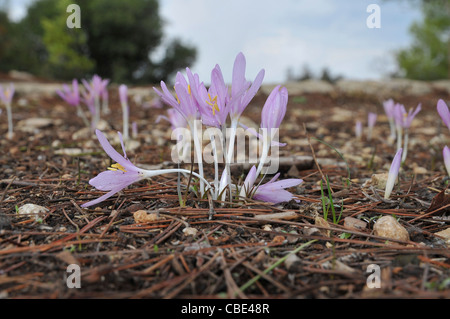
[190, 231]
[445, 234]
[141, 216]
[34, 124]
[354, 223]
[389, 227]
[32, 209]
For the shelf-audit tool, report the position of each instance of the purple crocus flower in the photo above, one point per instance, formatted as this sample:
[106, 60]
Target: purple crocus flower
[274, 109]
[241, 89]
[372, 119]
[444, 112]
[404, 119]
[273, 191]
[123, 173]
[70, 95]
[272, 115]
[446, 154]
[393, 173]
[6, 95]
[174, 118]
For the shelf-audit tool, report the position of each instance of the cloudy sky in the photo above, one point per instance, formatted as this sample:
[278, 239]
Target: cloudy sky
[281, 34]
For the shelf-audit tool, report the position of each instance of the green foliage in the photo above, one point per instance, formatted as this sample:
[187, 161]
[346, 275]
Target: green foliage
[116, 40]
[66, 59]
[428, 58]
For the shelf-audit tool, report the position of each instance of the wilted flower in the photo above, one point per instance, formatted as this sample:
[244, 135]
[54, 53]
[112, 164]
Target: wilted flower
[393, 173]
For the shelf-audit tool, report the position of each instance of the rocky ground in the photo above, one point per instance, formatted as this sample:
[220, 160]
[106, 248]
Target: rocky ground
[142, 244]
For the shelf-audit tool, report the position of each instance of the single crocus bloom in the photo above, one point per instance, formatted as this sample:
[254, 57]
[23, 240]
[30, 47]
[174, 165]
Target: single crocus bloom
[6, 95]
[123, 173]
[446, 154]
[444, 112]
[272, 192]
[372, 119]
[70, 95]
[393, 173]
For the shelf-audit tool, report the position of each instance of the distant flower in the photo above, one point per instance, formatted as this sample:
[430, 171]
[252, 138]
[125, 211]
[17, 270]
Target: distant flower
[389, 108]
[70, 95]
[273, 192]
[404, 119]
[6, 95]
[444, 112]
[372, 119]
[358, 129]
[446, 154]
[393, 173]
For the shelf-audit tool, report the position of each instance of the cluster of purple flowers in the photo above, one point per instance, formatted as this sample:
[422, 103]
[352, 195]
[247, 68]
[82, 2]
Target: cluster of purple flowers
[94, 91]
[400, 122]
[193, 105]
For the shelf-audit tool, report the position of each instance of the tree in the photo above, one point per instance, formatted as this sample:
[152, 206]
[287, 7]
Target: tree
[115, 41]
[66, 47]
[428, 58]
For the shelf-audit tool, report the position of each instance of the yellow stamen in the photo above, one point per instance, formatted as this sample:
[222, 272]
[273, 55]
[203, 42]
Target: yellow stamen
[116, 167]
[213, 103]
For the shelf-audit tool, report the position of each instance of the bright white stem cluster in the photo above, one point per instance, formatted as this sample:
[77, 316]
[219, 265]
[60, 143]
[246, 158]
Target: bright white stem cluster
[446, 154]
[10, 121]
[125, 120]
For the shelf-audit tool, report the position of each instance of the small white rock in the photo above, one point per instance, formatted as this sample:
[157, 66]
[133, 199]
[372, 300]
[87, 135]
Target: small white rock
[190, 231]
[32, 209]
[389, 227]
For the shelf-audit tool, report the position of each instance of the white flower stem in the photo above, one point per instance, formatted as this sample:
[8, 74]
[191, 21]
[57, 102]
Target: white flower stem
[264, 154]
[405, 145]
[392, 128]
[216, 166]
[230, 153]
[152, 173]
[399, 137]
[125, 118]
[10, 122]
[81, 114]
[198, 152]
[97, 111]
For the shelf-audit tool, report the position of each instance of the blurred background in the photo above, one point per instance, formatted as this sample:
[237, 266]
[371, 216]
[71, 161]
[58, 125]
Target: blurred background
[146, 41]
